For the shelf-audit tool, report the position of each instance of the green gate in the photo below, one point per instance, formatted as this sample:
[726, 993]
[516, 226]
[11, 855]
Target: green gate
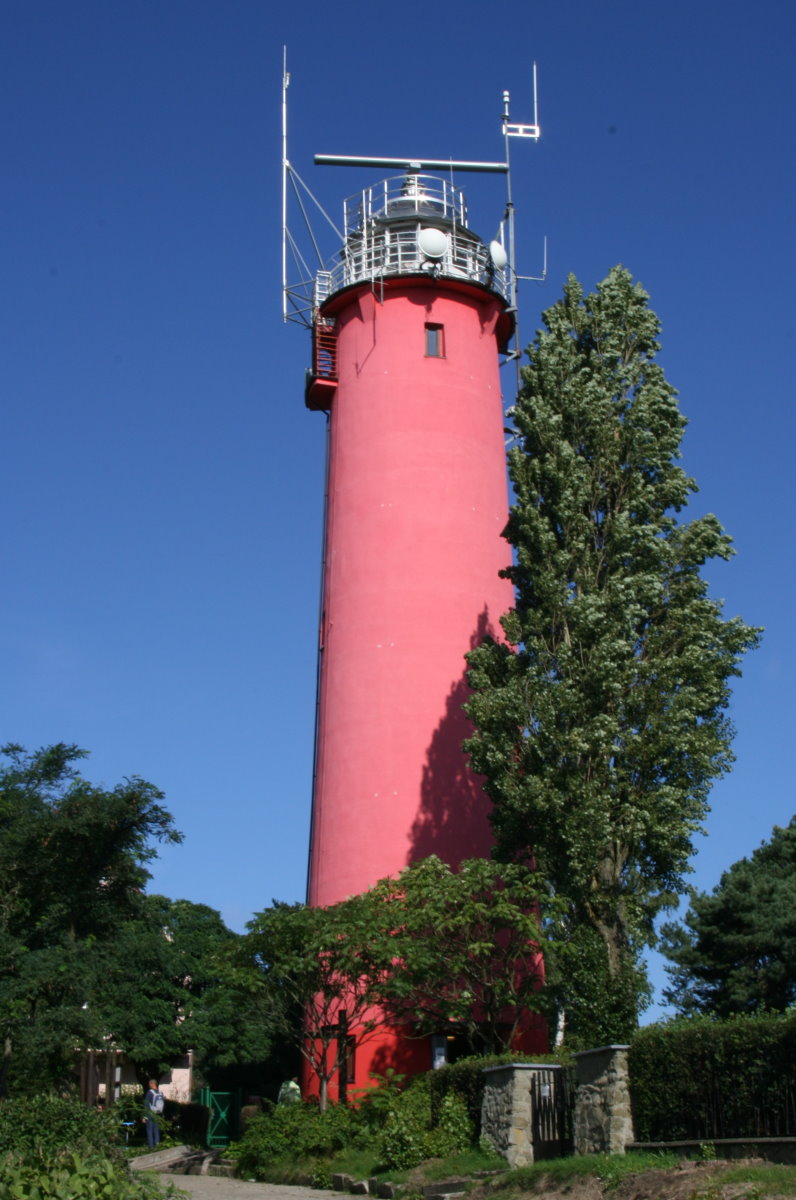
[224, 1115]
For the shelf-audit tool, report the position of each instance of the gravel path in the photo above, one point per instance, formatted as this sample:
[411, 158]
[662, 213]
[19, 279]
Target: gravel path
[211, 1187]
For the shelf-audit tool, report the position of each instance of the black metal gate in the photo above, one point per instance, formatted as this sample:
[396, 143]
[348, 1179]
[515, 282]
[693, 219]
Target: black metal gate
[552, 1109]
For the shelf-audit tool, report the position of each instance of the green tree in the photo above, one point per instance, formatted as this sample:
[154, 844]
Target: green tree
[314, 972]
[600, 727]
[735, 951]
[458, 949]
[73, 864]
[158, 989]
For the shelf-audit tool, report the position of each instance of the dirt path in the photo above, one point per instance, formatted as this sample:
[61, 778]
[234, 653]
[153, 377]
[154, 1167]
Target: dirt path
[209, 1187]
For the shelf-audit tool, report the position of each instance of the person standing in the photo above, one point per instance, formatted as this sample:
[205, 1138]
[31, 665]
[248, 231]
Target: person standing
[153, 1110]
[290, 1092]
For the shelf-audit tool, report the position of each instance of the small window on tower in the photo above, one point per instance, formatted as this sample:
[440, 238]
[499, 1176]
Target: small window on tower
[435, 341]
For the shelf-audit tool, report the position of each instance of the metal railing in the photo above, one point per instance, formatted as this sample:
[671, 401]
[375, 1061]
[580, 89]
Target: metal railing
[405, 196]
[382, 238]
[388, 252]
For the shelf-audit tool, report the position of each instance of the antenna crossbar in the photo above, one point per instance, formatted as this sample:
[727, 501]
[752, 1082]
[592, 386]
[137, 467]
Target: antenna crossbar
[528, 131]
[408, 164]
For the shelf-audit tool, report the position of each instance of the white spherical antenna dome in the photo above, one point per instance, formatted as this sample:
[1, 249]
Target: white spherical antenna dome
[433, 242]
[498, 255]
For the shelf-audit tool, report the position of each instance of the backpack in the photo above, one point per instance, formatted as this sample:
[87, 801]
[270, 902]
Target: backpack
[156, 1103]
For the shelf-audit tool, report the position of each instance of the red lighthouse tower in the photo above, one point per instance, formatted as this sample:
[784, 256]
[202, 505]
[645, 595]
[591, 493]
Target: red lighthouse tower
[408, 327]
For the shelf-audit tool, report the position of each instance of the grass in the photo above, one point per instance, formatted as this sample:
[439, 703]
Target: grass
[767, 1179]
[759, 1180]
[609, 1168]
[362, 1164]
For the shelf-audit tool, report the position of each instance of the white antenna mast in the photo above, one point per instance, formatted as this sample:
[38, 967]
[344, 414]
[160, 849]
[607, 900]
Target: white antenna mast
[285, 86]
[297, 298]
[521, 131]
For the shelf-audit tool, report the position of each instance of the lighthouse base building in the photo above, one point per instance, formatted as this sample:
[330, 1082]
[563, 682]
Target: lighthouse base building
[408, 327]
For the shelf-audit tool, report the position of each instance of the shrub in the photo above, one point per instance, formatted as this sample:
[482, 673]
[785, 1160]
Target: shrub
[404, 1141]
[40, 1129]
[701, 1079]
[297, 1131]
[71, 1177]
[453, 1131]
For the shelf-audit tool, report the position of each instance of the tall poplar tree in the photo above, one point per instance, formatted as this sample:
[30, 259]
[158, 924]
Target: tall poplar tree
[601, 725]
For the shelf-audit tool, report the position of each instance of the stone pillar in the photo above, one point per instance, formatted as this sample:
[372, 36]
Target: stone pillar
[603, 1119]
[506, 1112]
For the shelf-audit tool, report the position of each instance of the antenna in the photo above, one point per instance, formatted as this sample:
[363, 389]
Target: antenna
[521, 131]
[285, 86]
[297, 298]
[300, 299]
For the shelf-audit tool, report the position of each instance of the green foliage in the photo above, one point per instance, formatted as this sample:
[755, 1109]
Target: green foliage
[769, 1179]
[162, 990]
[310, 969]
[39, 1129]
[86, 958]
[412, 1133]
[600, 727]
[700, 1079]
[611, 1169]
[291, 1132]
[458, 949]
[73, 863]
[599, 1007]
[736, 950]
[74, 1178]
[453, 1130]
[397, 1123]
[376, 1103]
[402, 1144]
[436, 948]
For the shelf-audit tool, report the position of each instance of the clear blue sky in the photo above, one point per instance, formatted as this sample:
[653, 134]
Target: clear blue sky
[161, 480]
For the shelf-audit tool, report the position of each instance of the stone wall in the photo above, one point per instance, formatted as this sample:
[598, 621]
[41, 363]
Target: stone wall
[603, 1119]
[506, 1116]
[603, 1123]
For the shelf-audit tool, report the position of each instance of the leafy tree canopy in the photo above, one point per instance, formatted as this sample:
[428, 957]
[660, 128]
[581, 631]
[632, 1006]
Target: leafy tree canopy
[72, 868]
[601, 725]
[313, 972]
[735, 952]
[435, 948]
[460, 949]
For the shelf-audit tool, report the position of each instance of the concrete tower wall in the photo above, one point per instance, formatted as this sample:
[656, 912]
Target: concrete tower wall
[418, 500]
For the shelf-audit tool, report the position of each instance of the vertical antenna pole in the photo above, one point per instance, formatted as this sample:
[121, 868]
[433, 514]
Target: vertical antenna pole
[512, 255]
[285, 85]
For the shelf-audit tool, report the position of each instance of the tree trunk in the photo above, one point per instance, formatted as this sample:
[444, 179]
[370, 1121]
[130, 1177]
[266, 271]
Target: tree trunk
[4, 1068]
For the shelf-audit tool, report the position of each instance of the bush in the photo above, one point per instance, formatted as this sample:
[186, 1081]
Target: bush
[700, 1079]
[71, 1177]
[297, 1131]
[401, 1144]
[453, 1131]
[40, 1129]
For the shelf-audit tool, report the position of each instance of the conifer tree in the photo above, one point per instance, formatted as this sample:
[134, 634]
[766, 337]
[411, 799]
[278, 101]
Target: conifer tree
[735, 951]
[601, 725]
